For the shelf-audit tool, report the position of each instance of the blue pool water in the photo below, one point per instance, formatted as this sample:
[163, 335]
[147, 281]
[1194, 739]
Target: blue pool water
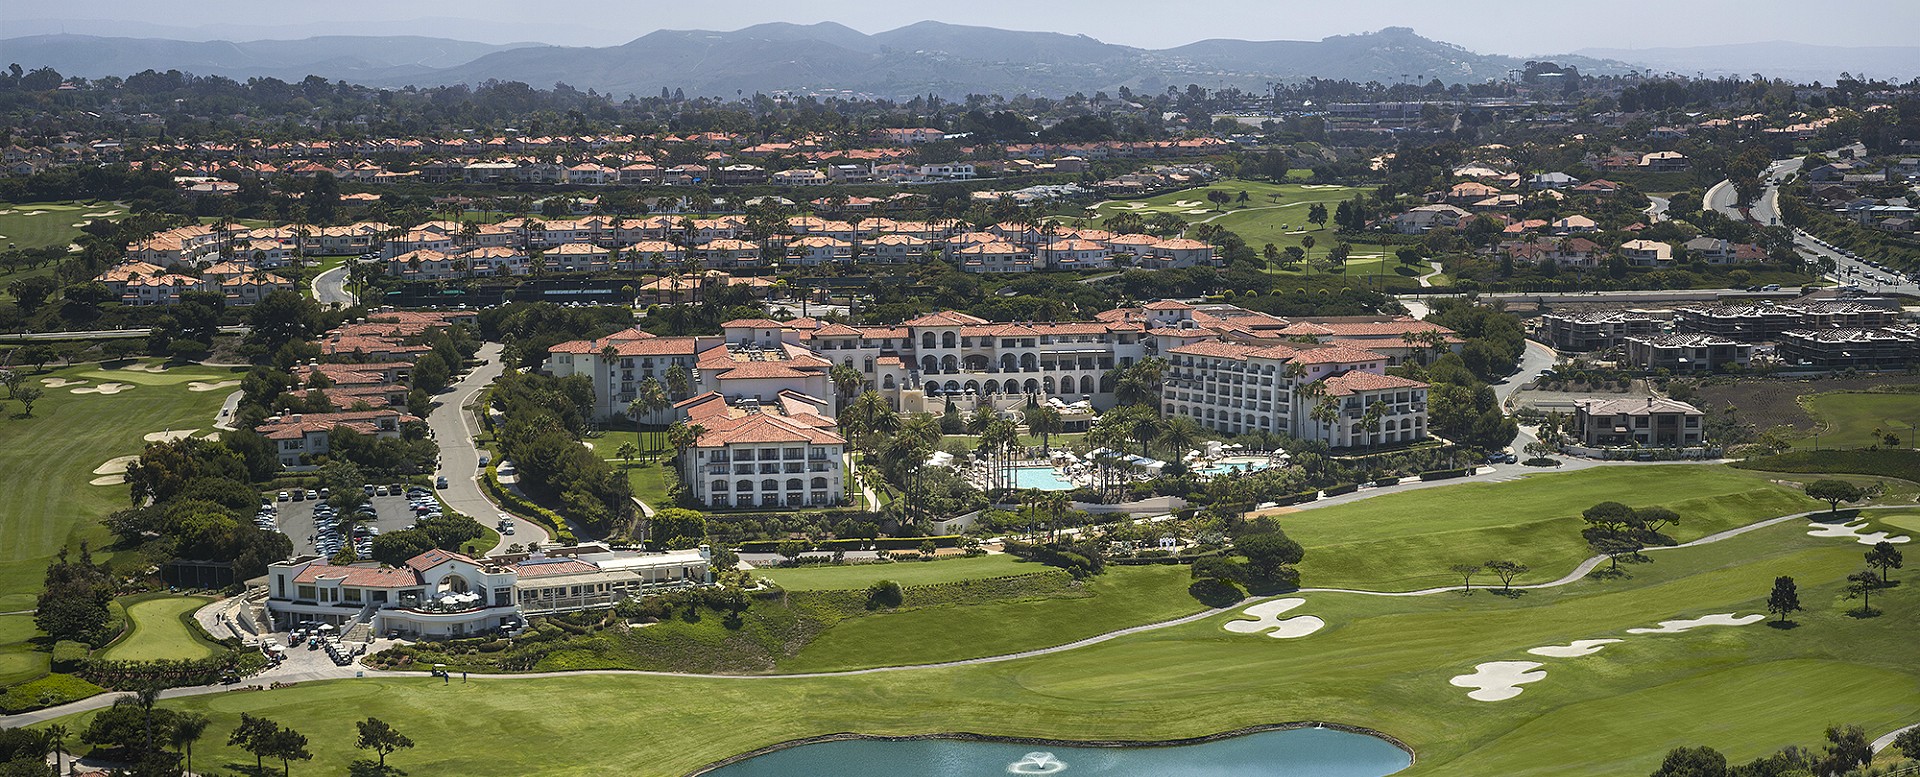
[1304, 752]
[1235, 465]
[1043, 478]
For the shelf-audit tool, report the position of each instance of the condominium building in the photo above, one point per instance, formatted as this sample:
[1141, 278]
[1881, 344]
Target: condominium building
[1751, 323]
[1647, 422]
[1879, 348]
[1686, 353]
[784, 453]
[1236, 388]
[1594, 331]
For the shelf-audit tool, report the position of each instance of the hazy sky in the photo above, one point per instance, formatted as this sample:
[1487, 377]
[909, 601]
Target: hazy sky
[1517, 27]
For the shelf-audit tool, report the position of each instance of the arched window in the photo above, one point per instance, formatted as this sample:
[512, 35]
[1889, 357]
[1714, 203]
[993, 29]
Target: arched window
[1007, 362]
[886, 381]
[949, 364]
[719, 485]
[794, 484]
[1047, 385]
[929, 364]
[1032, 386]
[948, 340]
[1086, 384]
[927, 340]
[976, 363]
[1027, 362]
[993, 387]
[953, 387]
[819, 484]
[769, 485]
[745, 485]
[972, 387]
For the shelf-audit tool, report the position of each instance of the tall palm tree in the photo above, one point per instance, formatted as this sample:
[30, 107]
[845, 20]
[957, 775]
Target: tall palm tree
[999, 440]
[651, 399]
[1177, 435]
[1327, 412]
[679, 382]
[683, 435]
[57, 735]
[1370, 421]
[188, 728]
[1044, 422]
[846, 382]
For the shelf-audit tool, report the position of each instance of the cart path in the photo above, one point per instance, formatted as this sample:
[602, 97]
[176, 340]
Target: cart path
[357, 672]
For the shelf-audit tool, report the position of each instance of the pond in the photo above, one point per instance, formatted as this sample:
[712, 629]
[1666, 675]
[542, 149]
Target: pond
[1300, 752]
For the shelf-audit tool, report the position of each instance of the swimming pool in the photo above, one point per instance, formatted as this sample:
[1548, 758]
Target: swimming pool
[1043, 478]
[1236, 463]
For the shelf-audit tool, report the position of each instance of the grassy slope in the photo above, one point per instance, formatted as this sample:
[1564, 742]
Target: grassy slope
[1407, 541]
[1848, 419]
[1123, 597]
[1261, 220]
[49, 458]
[858, 576]
[157, 631]
[1381, 662]
[52, 227]
[19, 660]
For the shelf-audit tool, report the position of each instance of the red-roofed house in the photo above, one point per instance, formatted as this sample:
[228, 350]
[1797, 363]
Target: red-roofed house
[783, 453]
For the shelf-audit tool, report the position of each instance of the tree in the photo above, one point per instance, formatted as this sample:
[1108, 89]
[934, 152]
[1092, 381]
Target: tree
[27, 396]
[627, 452]
[1833, 492]
[846, 382]
[188, 728]
[1651, 520]
[1692, 762]
[1861, 585]
[1847, 748]
[676, 527]
[1044, 422]
[431, 373]
[1884, 557]
[1506, 571]
[381, 738]
[288, 745]
[31, 293]
[13, 380]
[1785, 598]
[1317, 213]
[283, 317]
[1270, 556]
[255, 736]
[1908, 743]
[1466, 573]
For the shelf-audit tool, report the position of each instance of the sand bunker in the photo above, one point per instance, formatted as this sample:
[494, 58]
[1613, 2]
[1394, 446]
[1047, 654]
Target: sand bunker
[1196, 211]
[1499, 680]
[1267, 616]
[104, 388]
[34, 213]
[1853, 530]
[144, 367]
[169, 435]
[1574, 649]
[78, 224]
[199, 385]
[99, 214]
[60, 382]
[1722, 619]
[116, 465]
[107, 480]
[1186, 203]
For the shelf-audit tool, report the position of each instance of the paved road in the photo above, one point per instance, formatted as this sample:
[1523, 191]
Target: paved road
[1855, 272]
[1534, 361]
[454, 429]
[99, 334]
[1657, 208]
[1764, 211]
[330, 287]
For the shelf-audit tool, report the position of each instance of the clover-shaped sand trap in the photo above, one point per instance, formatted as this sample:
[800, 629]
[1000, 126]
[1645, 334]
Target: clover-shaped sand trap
[1574, 649]
[1720, 619]
[1267, 615]
[1499, 680]
[104, 388]
[1853, 530]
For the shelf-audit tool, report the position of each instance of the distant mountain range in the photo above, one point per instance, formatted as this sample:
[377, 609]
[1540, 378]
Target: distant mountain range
[927, 57]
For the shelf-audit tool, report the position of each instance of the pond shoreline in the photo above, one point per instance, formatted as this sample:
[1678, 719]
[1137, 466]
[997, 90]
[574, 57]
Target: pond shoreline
[968, 736]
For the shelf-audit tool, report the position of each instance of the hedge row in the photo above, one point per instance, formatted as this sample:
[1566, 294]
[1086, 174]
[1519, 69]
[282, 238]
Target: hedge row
[883, 543]
[1443, 474]
[525, 508]
[1294, 499]
[49, 691]
[1386, 481]
[125, 675]
[1342, 488]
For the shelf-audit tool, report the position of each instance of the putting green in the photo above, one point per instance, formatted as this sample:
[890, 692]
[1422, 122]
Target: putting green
[157, 630]
[1381, 662]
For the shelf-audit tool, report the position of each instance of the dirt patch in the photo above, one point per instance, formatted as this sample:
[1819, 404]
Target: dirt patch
[1770, 403]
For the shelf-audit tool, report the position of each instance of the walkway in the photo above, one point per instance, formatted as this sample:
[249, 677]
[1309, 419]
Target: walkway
[1426, 281]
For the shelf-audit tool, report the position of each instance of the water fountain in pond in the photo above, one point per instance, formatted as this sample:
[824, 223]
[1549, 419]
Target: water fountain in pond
[1037, 763]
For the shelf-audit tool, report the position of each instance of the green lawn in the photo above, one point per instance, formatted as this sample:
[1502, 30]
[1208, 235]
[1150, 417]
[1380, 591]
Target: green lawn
[39, 224]
[1849, 419]
[648, 472]
[858, 576]
[157, 630]
[50, 457]
[1381, 662]
[1121, 598]
[1407, 541]
[20, 660]
[1283, 222]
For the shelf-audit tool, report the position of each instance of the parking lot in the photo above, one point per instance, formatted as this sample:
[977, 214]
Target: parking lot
[390, 513]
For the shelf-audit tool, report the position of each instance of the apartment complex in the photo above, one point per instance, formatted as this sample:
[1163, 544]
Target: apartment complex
[1876, 348]
[1594, 331]
[1686, 353]
[786, 453]
[1752, 323]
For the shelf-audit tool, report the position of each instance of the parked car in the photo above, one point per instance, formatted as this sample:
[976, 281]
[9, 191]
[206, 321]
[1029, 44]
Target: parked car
[283, 496]
[441, 482]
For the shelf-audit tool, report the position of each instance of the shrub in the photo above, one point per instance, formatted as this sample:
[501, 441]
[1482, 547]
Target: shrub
[1443, 474]
[52, 690]
[1386, 481]
[1342, 488]
[68, 655]
[884, 593]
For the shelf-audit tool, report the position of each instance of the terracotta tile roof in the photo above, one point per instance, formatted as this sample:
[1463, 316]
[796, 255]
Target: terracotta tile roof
[436, 557]
[1168, 304]
[1355, 382]
[1338, 354]
[946, 318]
[361, 577]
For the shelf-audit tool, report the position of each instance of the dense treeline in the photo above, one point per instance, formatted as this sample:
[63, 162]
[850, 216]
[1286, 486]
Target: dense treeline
[546, 417]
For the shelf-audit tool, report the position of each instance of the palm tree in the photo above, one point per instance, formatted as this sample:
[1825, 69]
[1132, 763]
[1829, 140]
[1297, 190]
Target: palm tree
[999, 439]
[679, 382]
[683, 435]
[146, 697]
[627, 452]
[57, 735]
[188, 727]
[1371, 421]
[1327, 412]
[869, 416]
[1178, 435]
[1044, 422]
[649, 402]
[846, 382]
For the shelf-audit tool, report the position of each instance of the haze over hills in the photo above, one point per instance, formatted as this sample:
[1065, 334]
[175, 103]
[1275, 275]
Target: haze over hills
[926, 57]
[1800, 62]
